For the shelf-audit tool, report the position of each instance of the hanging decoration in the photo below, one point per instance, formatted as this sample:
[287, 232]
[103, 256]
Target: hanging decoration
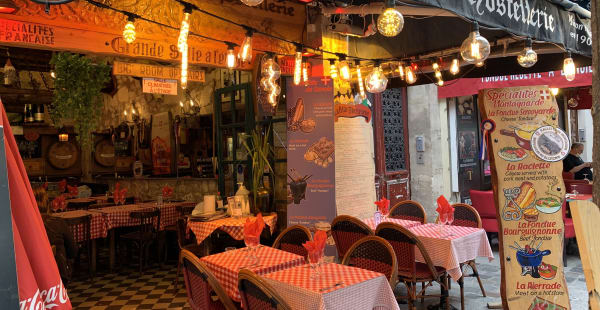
[475, 48]
[231, 59]
[129, 30]
[569, 67]
[333, 73]
[376, 82]
[182, 44]
[487, 126]
[391, 21]
[270, 74]
[410, 75]
[455, 67]
[359, 80]
[245, 53]
[344, 68]
[305, 73]
[527, 57]
[298, 65]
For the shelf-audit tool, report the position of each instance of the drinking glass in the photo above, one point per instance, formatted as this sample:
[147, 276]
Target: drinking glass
[449, 220]
[443, 219]
[313, 260]
[251, 243]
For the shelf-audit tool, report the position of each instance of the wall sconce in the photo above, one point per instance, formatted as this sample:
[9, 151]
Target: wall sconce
[63, 136]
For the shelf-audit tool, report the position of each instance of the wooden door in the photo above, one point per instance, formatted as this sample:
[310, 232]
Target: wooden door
[392, 163]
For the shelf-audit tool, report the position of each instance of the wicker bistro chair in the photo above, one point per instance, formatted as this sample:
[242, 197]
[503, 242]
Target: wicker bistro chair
[257, 294]
[203, 289]
[292, 238]
[409, 210]
[410, 272]
[79, 226]
[346, 230]
[146, 232]
[375, 254]
[186, 242]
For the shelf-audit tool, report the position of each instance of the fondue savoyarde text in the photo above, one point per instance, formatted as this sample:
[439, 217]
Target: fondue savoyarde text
[525, 149]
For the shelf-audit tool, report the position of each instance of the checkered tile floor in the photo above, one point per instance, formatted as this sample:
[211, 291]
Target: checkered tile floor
[128, 289]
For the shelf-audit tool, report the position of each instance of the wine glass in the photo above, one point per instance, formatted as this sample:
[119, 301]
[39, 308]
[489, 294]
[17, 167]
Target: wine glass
[313, 258]
[449, 220]
[442, 218]
[251, 243]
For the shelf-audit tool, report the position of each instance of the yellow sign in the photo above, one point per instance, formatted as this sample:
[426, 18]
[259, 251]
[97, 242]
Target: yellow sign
[160, 72]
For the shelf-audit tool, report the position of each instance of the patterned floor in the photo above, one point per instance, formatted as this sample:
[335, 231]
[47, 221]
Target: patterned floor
[130, 290]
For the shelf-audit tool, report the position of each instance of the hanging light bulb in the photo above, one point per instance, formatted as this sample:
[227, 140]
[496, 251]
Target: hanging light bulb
[245, 53]
[191, 103]
[271, 69]
[252, 2]
[298, 65]
[305, 73]
[376, 82]
[436, 69]
[479, 64]
[401, 69]
[527, 57]
[184, 31]
[124, 112]
[359, 80]
[411, 77]
[475, 48]
[332, 69]
[554, 91]
[129, 30]
[440, 82]
[391, 21]
[569, 68]
[53, 74]
[231, 59]
[184, 67]
[454, 68]
[132, 111]
[344, 68]
[181, 104]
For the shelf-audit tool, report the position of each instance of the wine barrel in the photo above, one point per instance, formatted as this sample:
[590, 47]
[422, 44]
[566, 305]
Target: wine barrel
[63, 155]
[104, 153]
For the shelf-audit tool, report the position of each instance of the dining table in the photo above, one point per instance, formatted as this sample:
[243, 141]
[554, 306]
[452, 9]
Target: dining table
[402, 222]
[335, 287]
[226, 265]
[231, 225]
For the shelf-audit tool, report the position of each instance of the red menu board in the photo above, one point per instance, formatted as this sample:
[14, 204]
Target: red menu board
[526, 148]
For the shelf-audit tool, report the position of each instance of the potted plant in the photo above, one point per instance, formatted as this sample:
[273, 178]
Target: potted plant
[260, 151]
[77, 95]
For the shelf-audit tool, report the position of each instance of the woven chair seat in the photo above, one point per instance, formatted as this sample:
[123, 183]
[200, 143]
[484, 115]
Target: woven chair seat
[294, 248]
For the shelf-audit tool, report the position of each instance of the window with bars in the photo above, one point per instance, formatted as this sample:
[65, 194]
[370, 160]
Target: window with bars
[393, 130]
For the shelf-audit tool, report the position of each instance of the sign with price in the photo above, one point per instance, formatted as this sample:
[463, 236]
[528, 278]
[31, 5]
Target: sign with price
[525, 150]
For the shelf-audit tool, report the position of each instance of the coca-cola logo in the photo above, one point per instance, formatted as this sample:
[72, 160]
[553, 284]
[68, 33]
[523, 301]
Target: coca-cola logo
[46, 299]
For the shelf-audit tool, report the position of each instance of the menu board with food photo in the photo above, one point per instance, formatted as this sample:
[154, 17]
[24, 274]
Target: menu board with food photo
[525, 147]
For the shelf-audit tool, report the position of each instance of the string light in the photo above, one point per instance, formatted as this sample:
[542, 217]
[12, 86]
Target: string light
[401, 69]
[411, 78]
[359, 80]
[569, 68]
[440, 82]
[184, 67]
[53, 74]
[191, 103]
[554, 91]
[305, 73]
[132, 111]
[182, 44]
[231, 59]
[454, 68]
[332, 69]
[475, 48]
[479, 64]
[124, 112]
[271, 72]
[391, 21]
[245, 53]
[527, 57]
[129, 30]
[181, 104]
[298, 65]
[344, 68]
[376, 82]
[436, 69]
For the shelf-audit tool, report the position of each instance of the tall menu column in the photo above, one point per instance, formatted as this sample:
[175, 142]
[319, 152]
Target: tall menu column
[526, 148]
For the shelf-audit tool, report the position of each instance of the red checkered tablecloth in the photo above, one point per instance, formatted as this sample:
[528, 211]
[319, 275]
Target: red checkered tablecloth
[168, 211]
[404, 223]
[338, 287]
[234, 227]
[465, 244]
[118, 216]
[97, 227]
[225, 266]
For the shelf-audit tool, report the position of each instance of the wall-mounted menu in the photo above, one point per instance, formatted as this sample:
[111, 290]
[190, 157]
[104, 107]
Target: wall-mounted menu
[526, 147]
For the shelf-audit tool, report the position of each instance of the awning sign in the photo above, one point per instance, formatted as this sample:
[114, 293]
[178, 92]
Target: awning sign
[538, 19]
[152, 71]
[159, 86]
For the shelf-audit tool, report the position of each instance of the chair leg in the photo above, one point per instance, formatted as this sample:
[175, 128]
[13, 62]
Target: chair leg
[411, 293]
[447, 280]
[476, 273]
[423, 292]
[461, 283]
[141, 258]
[89, 259]
[178, 272]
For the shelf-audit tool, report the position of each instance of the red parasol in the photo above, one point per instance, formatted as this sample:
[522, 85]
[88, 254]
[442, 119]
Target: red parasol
[40, 286]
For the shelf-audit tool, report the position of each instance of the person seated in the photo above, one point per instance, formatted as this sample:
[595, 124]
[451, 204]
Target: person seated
[574, 164]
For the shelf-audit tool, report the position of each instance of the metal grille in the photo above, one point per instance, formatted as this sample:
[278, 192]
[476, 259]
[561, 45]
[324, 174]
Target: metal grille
[393, 130]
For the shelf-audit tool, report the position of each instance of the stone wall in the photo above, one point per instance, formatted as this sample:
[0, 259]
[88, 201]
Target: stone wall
[190, 189]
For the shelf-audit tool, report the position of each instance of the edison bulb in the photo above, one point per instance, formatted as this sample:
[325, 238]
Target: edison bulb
[554, 91]
[252, 2]
[401, 70]
[390, 22]
[359, 80]
[184, 32]
[376, 82]
[479, 64]
[230, 58]
[569, 68]
[435, 66]
[527, 57]
[411, 77]
[271, 69]
[129, 32]
[344, 70]
[53, 74]
[475, 48]
[438, 74]
[454, 68]
[333, 73]
[440, 82]
[245, 53]
[298, 68]
[305, 73]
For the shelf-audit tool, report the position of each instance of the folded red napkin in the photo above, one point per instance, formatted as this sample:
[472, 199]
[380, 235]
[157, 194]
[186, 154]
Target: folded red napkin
[45, 185]
[119, 194]
[62, 185]
[316, 247]
[383, 205]
[444, 206]
[254, 228]
[73, 190]
[59, 203]
[167, 191]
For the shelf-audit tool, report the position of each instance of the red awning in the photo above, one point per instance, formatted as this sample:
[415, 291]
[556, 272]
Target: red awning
[470, 86]
[40, 285]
